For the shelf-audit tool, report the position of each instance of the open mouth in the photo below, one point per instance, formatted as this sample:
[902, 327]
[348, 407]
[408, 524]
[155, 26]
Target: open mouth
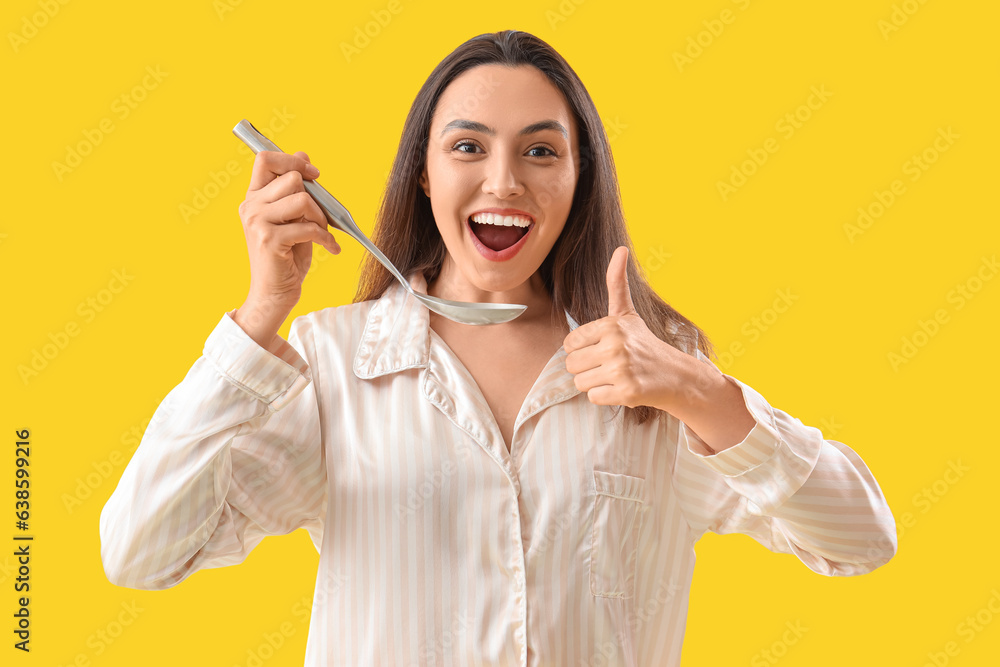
[498, 232]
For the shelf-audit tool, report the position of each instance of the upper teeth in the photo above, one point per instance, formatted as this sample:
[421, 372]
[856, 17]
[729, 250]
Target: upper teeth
[504, 220]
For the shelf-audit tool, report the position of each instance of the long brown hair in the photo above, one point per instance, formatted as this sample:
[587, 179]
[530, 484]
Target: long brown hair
[575, 269]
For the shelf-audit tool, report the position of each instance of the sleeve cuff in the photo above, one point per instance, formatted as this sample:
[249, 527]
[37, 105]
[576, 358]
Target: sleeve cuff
[759, 445]
[769, 464]
[274, 379]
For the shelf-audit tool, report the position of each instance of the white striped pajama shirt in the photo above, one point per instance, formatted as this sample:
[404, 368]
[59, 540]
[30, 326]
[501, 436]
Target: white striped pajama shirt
[437, 545]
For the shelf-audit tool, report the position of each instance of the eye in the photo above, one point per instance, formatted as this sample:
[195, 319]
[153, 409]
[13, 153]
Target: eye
[460, 146]
[548, 151]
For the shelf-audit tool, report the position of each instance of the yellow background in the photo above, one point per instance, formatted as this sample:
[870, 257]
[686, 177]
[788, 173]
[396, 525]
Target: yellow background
[676, 132]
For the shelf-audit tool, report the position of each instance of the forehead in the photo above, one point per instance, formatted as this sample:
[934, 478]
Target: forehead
[502, 96]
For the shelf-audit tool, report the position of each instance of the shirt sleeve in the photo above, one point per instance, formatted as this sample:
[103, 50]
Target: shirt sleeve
[231, 455]
[789, 489]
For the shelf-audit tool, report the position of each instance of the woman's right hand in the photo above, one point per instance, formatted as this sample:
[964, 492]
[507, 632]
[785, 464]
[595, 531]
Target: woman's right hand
[281, 221]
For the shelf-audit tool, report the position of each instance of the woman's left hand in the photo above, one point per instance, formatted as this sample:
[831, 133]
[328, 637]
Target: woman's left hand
[617, 360]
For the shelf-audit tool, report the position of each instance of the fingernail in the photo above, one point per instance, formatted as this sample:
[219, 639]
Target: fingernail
[311, 170]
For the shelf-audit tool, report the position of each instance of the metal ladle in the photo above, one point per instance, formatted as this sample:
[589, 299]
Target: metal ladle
[339, 218]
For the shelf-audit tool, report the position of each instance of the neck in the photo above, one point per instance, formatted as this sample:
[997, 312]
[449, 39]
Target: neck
[451, 284]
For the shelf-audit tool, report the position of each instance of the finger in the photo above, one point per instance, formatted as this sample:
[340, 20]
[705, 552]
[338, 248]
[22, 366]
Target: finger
[291, 234]
[287, 184]
[603, 395]
[295, 207]
[312, 171]
[619, 297]
[268, 165]
[588, 380]
[583, 360]
[582, 336]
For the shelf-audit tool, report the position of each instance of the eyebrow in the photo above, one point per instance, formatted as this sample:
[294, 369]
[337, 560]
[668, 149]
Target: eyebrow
[476, 126]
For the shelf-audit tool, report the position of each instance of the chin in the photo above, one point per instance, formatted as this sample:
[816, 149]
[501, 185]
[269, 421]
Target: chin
[498, 279]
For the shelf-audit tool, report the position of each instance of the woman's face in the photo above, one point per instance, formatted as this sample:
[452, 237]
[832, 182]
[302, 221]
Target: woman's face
[502, 166]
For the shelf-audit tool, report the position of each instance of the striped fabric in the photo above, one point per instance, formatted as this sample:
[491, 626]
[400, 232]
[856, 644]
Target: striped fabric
[440, 547]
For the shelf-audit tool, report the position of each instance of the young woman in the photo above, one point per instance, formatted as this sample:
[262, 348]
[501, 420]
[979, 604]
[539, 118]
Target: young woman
[524, 493]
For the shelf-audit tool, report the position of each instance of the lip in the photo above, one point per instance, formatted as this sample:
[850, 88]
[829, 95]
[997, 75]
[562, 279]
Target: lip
[506, 253]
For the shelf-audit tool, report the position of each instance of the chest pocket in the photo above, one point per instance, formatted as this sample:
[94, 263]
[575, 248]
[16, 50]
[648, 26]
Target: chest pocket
[618, 512]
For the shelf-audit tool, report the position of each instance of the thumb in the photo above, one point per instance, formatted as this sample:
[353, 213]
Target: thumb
[619, 297]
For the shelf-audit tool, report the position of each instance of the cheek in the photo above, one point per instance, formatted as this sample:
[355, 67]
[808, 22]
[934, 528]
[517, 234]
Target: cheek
[461, 179]
[557, 190]
[449, 182]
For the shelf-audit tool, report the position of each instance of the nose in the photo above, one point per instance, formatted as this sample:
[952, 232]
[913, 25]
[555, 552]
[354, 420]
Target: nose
[502, 178]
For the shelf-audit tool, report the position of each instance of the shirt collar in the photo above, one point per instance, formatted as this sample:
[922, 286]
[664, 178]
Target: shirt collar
[397, 334]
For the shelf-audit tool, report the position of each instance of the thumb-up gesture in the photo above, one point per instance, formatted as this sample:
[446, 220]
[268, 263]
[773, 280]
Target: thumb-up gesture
[617, 360]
